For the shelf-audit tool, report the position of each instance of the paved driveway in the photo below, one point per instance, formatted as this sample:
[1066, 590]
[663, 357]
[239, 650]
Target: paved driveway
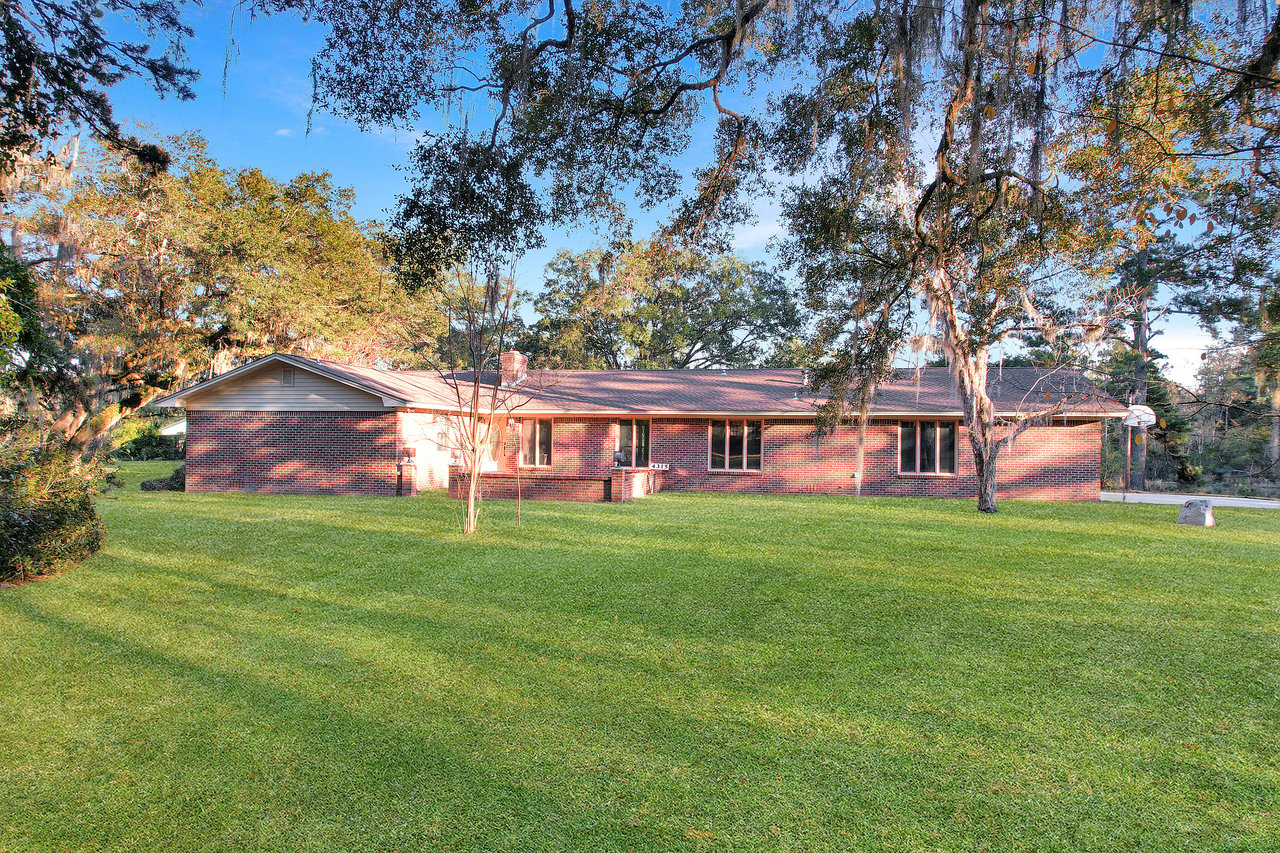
[1178, 500]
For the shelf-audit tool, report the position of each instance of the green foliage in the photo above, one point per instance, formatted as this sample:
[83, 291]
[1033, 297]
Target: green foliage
[11, 287]
[24, 345]
[297, 273]
[649, 306]
[139, 439]
[1232, 424]
[154, 276]
[1174, 422]
[47, 516]
[468, 202]
[568, 131]
[60, 62]
[175, 482]
[1240, 264]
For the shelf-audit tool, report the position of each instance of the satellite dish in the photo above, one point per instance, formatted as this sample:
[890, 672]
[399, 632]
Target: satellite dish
[1140, 415]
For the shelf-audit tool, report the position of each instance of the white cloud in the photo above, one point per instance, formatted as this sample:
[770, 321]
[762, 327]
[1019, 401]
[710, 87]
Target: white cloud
[756, 235]
[753, 237]
[285, 132]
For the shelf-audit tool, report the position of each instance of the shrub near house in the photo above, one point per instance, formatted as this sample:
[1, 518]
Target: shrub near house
[140, 440]
[47, 517]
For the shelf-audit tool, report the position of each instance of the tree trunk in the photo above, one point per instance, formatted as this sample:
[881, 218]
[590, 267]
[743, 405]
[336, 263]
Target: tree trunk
[859, 465]
[986, 467]
[1273, 441]
[1141, 382]
[92, 432]
[474, 458]
[471, 519]
[980, 421]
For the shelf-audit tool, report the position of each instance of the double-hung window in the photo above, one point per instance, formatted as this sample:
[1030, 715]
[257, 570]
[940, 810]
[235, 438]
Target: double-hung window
[633, 443]
[927, 447]
[535, 441]
[735, 445]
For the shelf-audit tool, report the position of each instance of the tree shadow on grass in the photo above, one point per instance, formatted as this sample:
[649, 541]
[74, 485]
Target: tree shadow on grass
[344, 776]
[551, 715]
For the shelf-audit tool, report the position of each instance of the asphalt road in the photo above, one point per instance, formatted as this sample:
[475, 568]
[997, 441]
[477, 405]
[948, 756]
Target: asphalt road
[1179, 500]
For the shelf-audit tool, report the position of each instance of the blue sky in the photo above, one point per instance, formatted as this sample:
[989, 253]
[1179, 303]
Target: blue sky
[260, 119]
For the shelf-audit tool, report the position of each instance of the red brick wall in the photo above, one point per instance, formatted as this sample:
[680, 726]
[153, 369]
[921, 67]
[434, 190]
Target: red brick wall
[293, 452]
[530, 487]
[357, 452]
[1058, 462]
[631, 483]
[580, 447]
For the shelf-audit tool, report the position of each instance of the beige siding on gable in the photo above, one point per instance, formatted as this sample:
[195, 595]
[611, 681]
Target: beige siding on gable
[264, 391]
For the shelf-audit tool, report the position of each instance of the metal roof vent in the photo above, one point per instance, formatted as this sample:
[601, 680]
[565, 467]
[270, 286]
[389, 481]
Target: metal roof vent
[805, 379]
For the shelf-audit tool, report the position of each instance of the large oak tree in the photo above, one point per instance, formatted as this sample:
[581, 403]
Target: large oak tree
[653, 306]
[920, 147]
[146, 277]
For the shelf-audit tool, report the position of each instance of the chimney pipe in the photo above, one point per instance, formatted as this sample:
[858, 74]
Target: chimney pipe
[514, 367]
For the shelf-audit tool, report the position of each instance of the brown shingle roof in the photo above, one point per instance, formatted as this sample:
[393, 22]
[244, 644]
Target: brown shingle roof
[766, 392]
[777, 392]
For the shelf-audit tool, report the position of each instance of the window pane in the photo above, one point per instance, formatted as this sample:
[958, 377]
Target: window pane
[947, 447]
[907, 446]
[527, 431]
[753, 445]
[717, 444]
[928, 447]
[544, 442]
[642, 444]
[497, 429]
[735, 445]
[625, 441]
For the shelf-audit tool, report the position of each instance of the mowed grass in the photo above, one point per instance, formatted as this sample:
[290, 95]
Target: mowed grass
[688, 672]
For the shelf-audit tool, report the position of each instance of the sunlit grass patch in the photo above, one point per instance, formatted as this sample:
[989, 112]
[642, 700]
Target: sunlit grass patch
[684, 672]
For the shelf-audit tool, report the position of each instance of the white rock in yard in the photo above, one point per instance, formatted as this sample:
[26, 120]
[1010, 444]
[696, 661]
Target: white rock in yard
[1198, 512]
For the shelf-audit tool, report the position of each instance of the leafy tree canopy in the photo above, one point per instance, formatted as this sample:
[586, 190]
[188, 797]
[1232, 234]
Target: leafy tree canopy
[648, 305]
[923, 151]
[60, 61]
[146, 277]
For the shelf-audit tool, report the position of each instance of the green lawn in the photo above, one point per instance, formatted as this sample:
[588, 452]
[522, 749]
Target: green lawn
[686, 672]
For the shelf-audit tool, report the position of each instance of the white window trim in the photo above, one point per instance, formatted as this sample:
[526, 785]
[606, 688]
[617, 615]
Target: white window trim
[937, 447]
[617, 440]
[520, 463]
[744, 421]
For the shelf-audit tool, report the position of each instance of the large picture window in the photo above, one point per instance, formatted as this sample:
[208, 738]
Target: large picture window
[927, 447]
[735, 445]
[535, 441]
[633, 443]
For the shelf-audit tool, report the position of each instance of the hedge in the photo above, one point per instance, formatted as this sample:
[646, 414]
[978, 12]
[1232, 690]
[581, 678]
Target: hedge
[47, 517]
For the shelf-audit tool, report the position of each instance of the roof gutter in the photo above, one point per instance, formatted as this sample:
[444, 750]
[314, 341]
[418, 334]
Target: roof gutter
[523, 411]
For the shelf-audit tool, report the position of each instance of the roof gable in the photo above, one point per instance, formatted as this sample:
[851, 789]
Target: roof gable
[261, 386]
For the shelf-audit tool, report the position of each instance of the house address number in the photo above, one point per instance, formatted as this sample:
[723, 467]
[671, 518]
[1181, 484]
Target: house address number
[659, 466]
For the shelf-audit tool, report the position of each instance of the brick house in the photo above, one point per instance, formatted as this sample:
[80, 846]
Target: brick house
[291, 424]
